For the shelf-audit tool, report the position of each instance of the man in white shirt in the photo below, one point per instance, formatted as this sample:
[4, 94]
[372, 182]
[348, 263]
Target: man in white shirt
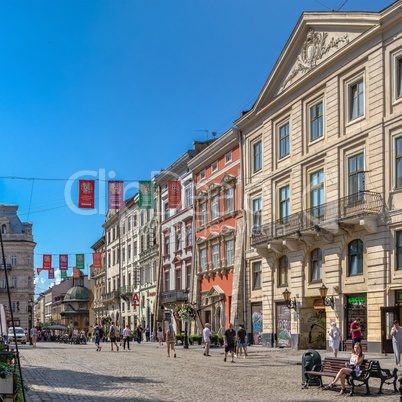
[207, 338]
[34, 334]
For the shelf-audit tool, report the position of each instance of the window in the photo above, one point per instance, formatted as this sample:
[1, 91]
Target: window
[135, 220]
[148, 273]
[166, 281]
[165, 211]
[284, 204]
[13, 260]
[189, 235]
[14, 282]
[399, 77]
[355, 252]
[257, 212]
[228, 157]
[398, 162]
[202, 174]
[203, 259]
[214, 166]
[188, 199]
[166, 244]
[142, 218]
[124, 227]
[257, 156]
[257, 275]
[129, 252]
[229, 200]
[179, 279]
[316, 120]
[316, 264]
[229, 251]
[178, 239]
[215, 256]
[317, 193]
[356, 177]
[123, 254]
[284, 140]
[154, 270]
[283, 271]
[356, 99]
[129, 223]
[203, 214]
[398, 248]
[135, 248]
[215, 207]
[188, 279]
[3, 229]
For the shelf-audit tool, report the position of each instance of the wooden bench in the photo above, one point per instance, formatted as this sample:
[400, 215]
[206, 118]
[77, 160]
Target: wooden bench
[330, 366]
[384, 375]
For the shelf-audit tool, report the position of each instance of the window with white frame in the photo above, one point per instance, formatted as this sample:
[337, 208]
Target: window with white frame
[166, 242]
[229, 200]
[214, 166]
[316, 264]
[257, 212]
[397, 76]
[356, 99]
[228, 157]
[202, 174]
[167, 280]
[129, 223]
[188, 201]
[189, 235]
[316, 117]
[135, 220]
[355, 257]
[398, 162]
[13, 260]
[203, 259]
[284, 203]
[165, 210]
[215, 256]
[284, 139]
[229, 252]
[203, 213]
[257, 275]
[215, 206]
[356, 177]
[257, 156]
[317, 193]
[398, 247]
[179, 283]
[129, 252]
[283, 267]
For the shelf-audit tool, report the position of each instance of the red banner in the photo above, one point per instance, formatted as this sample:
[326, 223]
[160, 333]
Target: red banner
[115, 194]
[63, 262]
[174, 194]
[76, 273]
[97, 260]
[50, 273]
[86, 194]
[47, 261]
[39, 270]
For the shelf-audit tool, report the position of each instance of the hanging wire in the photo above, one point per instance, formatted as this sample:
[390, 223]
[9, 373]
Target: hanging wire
[30, 199]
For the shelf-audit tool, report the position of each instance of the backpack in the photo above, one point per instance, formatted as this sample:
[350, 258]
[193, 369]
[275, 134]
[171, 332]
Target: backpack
[100, 332]
[112, 332]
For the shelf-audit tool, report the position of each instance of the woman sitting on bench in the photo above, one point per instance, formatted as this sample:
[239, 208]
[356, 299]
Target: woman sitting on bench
[354, 365]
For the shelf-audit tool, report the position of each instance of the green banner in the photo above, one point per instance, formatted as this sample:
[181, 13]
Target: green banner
[145, 189]
[63, 274]
[79, 261]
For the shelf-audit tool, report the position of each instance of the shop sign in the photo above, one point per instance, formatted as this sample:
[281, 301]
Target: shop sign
[398, 301]
[357, 301]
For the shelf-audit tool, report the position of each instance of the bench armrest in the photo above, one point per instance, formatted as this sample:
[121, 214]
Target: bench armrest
[316, 367]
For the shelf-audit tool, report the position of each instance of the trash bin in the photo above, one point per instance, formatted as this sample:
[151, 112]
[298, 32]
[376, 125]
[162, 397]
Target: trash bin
[309, 360]
[250, 339]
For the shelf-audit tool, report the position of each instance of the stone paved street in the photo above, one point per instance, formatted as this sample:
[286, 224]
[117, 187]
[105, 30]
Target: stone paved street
[60, 372]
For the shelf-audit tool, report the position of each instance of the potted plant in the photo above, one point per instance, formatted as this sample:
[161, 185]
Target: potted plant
[6, 378]
[195, 338]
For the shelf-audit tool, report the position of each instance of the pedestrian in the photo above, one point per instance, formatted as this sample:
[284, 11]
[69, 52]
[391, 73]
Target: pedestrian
[170, 340]
[396, 333]
[335, 338]
[98, 335]
[242, 340]
[147, 333]
[356, 331]
[160, 336]
[139, 334]
[206, 333]
[34, 335]
[126, 337]
[356, 360]
[112, 336]
[229, 340]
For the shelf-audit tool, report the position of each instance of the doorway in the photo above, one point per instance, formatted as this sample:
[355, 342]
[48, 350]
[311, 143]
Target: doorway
[388, 315]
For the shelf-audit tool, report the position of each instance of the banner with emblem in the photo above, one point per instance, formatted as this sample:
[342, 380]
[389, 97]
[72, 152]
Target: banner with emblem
[145, 189]
[76, 273]
[63, 262]
[50, 273]
[63, 274]
[97, 260]
[79, 261]
[115, 194]
[174, 194]
[47, 261]
[86, 194]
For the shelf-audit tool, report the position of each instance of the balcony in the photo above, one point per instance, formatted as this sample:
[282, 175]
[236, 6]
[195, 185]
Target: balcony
[111, 297]
[7, 265]
[174, 296]
[126, 292]
[362, 208]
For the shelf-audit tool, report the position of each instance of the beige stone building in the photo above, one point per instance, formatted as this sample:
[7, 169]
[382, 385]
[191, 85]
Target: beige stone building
[323, 182]
[98, 284]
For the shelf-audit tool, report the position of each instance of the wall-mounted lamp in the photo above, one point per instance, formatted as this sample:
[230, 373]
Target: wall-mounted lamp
[328, 301]
[292, 304]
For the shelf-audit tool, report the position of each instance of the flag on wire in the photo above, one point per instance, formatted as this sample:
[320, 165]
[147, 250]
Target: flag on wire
[47, 261]
[97, 260]
[63, 274]
[174, 194]
[63, 262]
[76, 273]
[50, 273]
[115, 194]
[79, 261]
[146, 194]
[86, 194]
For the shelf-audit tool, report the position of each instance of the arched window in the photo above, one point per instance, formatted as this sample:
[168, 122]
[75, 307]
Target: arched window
[355, 257]
[283, 271]
[3, 229]
[316, 264]
[14, 260]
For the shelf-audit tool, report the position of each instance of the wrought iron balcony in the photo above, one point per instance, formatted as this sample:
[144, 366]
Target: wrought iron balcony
[173, 296]
[346, 210]
[111, 297]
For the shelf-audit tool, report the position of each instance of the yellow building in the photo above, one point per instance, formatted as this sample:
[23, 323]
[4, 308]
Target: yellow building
[323, 182]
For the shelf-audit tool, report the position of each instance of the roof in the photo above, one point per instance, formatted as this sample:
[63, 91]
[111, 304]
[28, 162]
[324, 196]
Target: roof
[80, 293]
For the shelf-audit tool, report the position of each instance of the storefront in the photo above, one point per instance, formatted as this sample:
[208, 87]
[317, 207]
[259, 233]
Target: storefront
[356, 306]
[283, 326]
[256, 323]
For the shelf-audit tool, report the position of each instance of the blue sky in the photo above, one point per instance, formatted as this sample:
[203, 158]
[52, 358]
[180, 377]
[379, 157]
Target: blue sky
[122, 88]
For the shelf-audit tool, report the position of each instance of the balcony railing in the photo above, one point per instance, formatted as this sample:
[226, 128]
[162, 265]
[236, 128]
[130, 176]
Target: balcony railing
[172, 296]
[342, 210]
[127, 291]
[111, 296]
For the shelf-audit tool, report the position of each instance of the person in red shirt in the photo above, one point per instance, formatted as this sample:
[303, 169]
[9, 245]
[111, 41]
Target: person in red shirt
[356, 331]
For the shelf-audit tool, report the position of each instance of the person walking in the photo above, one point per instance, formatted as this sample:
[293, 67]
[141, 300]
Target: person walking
[126, 337]
[160, 336]
[396, 333]
[242, 339]
[112, 336]
[335, 337]
[98, 335]
[229, 340]
[356, 331]
[139, 334]
[170, 340]
[34, 335]
[147, 333]
[206, 333]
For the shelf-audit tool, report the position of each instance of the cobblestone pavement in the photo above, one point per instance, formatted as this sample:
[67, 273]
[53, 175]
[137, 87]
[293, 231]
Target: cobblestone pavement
[61, 372]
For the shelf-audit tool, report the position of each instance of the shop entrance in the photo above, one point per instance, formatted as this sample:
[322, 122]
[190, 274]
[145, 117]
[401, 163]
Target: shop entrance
[388, 315]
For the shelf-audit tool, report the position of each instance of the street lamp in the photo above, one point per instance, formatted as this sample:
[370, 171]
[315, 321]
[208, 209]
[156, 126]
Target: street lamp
[185, 346]
[291, 304]
[328, 301]
[30, 319]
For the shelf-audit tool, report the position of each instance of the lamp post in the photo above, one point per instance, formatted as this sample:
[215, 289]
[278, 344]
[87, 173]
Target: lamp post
[291, 304]
[328, 301]
[185, 346]
[30, 320]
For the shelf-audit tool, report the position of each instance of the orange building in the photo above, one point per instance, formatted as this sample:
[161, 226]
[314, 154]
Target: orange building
[218, 281]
